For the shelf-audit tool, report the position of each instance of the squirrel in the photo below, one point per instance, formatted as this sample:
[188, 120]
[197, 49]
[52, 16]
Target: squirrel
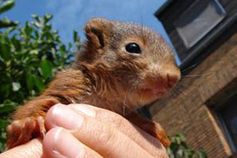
[120, 67]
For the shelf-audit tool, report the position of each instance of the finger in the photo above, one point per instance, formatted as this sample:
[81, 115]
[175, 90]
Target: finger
[59, 143]
[99, 136]
[146, 141]
[28, 150]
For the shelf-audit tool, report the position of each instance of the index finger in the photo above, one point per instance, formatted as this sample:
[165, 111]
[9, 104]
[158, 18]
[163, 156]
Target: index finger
[97, 135]
[143, 139]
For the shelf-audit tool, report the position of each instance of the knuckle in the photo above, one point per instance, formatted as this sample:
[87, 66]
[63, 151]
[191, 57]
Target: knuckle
[106, 137]
[118, 120]
[112, 116]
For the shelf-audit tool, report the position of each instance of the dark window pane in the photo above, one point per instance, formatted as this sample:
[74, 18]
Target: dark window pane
[200, 18]
[229, 115]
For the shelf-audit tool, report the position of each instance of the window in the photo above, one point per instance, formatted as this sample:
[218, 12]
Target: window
[228, 117]
[199, 19]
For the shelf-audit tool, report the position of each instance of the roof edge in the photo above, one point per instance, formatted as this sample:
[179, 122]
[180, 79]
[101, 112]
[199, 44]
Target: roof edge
[162, 8]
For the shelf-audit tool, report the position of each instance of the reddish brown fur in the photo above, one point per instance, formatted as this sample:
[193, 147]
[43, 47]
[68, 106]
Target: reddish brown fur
[107, 76]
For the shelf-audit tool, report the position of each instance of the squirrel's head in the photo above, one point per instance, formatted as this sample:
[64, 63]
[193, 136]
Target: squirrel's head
[134, 57]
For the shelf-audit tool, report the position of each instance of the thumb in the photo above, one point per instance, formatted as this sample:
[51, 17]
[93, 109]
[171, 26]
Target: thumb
[32, 149]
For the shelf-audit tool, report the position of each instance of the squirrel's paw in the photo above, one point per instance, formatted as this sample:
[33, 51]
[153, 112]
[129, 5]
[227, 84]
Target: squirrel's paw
[23, 130]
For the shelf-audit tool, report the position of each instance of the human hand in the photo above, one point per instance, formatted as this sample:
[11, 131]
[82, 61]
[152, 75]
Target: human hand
[32, 149]
[84, 131]
[91, 132]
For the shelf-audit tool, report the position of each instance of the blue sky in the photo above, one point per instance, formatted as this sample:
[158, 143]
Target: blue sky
[72, 15]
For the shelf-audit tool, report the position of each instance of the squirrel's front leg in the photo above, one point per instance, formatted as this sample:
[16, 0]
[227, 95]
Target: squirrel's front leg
[28, 121]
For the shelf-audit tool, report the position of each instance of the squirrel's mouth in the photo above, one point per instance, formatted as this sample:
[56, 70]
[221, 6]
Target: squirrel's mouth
[149, 95]
[154, 88]
[154, 92]
[159, 81]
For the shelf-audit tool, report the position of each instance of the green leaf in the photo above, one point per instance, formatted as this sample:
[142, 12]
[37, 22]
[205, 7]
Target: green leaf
[29, 80]
[39, 84]
[7, 23]
[16, 86]
[3, 123]
[48, 17]
[5, 89]
[46, 68]
[7, 5]
[201, 154]
[7, 107]
[76, 39]
[16, 43]
[5, 51]
[34, 51]
[75, 36]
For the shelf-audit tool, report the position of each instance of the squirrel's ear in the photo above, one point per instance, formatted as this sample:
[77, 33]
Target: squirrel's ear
[97, 32]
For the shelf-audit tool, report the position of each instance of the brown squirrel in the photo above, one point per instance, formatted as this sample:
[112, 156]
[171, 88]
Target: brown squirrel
[121, 67]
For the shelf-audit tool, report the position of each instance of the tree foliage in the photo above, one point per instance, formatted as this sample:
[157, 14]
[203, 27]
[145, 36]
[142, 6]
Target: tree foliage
[29, 57]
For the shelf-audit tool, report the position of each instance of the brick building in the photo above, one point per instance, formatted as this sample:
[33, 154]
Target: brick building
[204, 106]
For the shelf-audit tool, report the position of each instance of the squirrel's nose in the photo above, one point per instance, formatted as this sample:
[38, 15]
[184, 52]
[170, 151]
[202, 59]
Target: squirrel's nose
[173, 77]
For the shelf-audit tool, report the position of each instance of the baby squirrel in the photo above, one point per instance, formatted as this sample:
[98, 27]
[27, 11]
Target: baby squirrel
[121, 67]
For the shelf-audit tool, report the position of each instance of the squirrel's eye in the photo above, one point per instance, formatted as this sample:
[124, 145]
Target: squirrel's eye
[133, 48]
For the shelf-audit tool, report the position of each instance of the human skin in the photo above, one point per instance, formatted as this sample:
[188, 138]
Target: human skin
[32, 149]
[84, 131]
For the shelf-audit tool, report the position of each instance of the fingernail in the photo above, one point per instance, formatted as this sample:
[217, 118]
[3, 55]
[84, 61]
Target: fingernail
[66, 117]
[83, 108]
[66, 145]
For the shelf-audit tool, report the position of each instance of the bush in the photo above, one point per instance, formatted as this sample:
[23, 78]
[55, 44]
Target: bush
[179, 149]
[29, 57]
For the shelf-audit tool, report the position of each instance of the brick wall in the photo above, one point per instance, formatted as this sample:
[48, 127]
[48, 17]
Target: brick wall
[188, 108]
